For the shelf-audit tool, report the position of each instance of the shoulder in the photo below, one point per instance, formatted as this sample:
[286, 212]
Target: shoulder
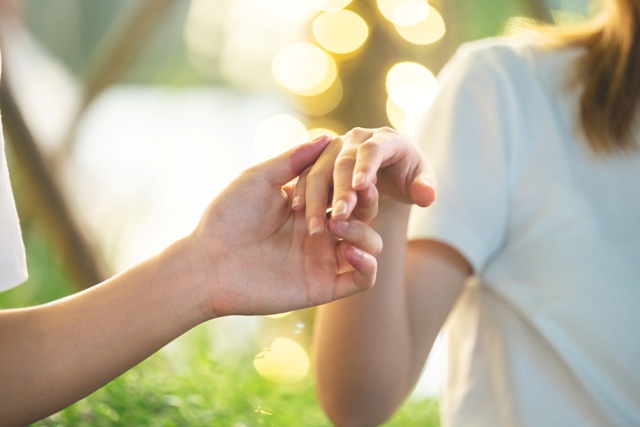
[527, 59]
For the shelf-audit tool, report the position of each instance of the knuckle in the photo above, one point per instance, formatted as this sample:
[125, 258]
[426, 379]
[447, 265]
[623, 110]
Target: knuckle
[386, 129]
[371, 144]
[315, 177]
[345, 162]
[356, 132]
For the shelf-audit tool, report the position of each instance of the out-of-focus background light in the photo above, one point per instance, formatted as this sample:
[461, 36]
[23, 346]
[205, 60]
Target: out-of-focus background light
[329, 5]
[340, 31]
[305, 69]
[411, 88]
[427, 30]
[285, 361]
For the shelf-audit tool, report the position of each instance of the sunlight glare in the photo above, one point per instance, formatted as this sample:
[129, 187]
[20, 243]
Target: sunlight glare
[201, 34]
[284, 362]
[279, 315]
[277, 134]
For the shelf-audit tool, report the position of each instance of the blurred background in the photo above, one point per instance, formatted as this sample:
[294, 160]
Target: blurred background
[123, 119]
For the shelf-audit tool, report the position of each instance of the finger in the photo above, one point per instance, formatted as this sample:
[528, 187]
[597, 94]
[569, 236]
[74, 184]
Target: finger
[358, 234]
[382, 147]
[318, 188]
[344, 195]
[367, 206]
[361, 278]
[385, 147]
[288, 165]
[423, 189]
[299, 190]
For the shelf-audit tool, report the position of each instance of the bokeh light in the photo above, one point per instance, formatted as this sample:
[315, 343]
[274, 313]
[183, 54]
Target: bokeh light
[329, 5]
[288, 11]
[340, 31]
[411, 86]
[304, 68]
[277, 134]
[402, 120]
[285, 361]
[404, 12]
[426, 31]
[322, 103]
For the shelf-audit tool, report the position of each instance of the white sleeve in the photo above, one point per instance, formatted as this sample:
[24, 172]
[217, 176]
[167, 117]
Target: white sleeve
[13, 266]
[464, 138]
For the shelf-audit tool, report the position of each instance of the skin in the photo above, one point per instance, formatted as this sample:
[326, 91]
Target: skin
[54, 354]
[371, 348]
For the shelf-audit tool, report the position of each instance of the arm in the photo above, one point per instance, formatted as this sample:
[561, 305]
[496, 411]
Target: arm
[55, 354]
[371, 348]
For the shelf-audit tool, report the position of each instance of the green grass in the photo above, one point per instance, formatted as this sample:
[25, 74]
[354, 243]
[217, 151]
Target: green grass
[192, 386]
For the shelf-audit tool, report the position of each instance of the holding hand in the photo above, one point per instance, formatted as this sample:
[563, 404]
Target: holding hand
[257, 255]
[361, 165]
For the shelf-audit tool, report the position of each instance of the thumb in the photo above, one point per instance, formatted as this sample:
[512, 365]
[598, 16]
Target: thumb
[423, 191]
[290, 164]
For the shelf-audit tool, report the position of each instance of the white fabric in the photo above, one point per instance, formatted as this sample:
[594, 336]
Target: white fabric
[13, 267]
[547, 332]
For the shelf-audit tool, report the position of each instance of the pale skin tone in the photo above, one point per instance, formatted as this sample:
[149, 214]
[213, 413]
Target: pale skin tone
[371, 348]
[250, 254]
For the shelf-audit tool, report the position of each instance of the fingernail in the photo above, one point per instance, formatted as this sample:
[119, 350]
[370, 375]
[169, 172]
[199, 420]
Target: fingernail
[340, 208]
[319, 138]
[358, 179]
[315, 226]
[357, 253]
[296, 202]
[427, 181]
[342, 226]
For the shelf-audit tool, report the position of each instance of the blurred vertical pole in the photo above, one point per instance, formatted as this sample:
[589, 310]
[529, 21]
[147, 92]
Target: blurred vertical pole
[77, 253]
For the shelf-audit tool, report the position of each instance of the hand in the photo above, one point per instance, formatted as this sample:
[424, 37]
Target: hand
[258, 256]
[362, 165]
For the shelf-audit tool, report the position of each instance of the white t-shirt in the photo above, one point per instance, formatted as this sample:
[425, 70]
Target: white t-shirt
[13, 266]
[547, 332]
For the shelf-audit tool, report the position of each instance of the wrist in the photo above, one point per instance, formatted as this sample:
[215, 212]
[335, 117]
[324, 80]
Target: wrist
[183, 268]
[390, 207]
[392, 217]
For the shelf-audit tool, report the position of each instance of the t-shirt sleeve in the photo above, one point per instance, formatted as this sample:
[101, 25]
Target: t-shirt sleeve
[464, 137]
[13, 266]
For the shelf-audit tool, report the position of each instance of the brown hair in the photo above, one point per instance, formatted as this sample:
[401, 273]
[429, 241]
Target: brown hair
[610, 74]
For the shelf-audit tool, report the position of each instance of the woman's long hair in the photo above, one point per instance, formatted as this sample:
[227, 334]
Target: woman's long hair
[609, 73]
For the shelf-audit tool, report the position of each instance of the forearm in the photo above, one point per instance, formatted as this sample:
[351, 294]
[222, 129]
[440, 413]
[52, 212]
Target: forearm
[55, 354]
[363, 342]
